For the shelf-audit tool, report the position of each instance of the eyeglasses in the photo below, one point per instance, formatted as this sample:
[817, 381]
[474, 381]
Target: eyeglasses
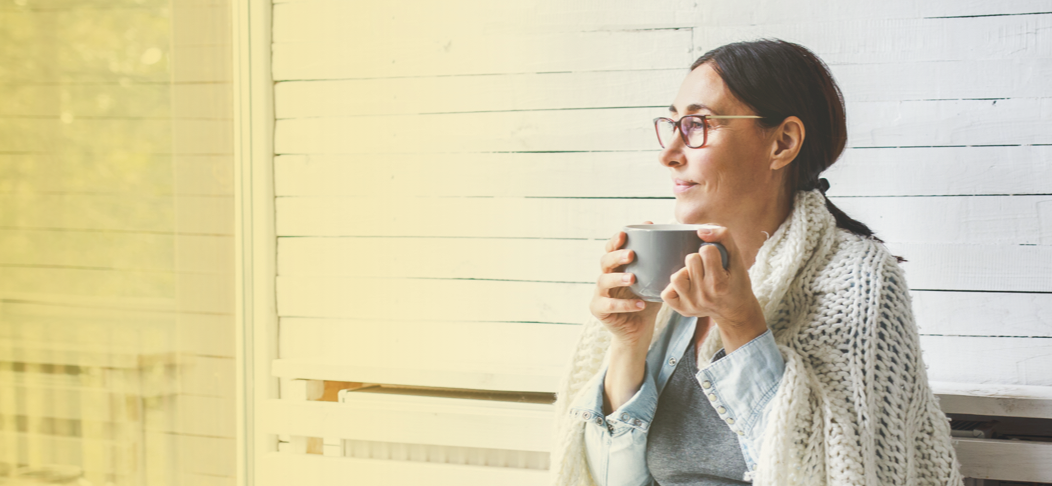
[694, 129]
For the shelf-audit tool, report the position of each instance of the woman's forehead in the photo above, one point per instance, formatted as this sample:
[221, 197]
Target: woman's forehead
[703, 90]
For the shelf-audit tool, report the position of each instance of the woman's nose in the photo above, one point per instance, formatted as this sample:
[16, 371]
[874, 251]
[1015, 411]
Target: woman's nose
[672, 154]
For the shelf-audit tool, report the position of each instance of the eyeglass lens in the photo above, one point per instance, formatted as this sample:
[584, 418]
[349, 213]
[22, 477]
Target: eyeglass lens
[693, 130]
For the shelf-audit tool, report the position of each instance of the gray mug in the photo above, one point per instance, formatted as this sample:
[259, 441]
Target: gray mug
[660, 251]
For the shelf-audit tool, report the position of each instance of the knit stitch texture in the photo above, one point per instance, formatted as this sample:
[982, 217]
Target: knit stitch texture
[854, 406]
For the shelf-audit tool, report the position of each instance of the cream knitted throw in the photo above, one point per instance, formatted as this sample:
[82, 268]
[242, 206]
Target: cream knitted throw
[853, 406]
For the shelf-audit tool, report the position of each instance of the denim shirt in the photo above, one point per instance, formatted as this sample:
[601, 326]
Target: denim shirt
[739, 385]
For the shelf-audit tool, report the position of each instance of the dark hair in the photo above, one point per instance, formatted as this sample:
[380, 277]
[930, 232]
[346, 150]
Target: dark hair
[779, 79]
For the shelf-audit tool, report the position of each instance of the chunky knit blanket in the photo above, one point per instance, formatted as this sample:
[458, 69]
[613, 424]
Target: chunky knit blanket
[854, 406]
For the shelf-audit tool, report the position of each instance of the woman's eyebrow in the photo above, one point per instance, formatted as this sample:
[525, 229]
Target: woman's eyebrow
[693, 108]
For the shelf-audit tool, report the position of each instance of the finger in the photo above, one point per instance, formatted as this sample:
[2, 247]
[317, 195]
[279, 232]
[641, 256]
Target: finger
[614, 242]
[695, 269]
[669, 294]
[721, 235]
[609, 281]
[680, 282]
[609, 261]
[648, 222]
[609, 305]
[712, 262]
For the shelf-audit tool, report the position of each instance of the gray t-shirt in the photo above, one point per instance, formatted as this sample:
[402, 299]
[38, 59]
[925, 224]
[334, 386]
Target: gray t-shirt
[688, 444]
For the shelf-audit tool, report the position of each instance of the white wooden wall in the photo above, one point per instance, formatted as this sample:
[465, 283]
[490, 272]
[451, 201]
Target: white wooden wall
[446, 175]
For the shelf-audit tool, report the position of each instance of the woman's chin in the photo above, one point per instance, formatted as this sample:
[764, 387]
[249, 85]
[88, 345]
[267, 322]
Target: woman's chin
[685, 215]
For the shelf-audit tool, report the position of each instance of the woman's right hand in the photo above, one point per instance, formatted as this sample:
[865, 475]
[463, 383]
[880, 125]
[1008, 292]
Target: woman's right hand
[629, 318]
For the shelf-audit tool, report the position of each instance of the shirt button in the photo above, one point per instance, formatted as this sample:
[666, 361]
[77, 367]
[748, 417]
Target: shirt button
[636, 422]
[599, 420]
[730, 421]
[587, 416]
[624, 416]
[712, 397]
[706, 385]
[721, 410]
[672, 361]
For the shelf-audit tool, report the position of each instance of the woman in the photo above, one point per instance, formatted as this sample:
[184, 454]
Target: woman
[799, 363]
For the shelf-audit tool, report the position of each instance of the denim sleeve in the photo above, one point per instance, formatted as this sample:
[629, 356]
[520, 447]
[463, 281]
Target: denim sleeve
[740, 386]
[616, 444]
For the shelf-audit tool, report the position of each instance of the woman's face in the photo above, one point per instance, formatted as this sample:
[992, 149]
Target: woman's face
[731, 176]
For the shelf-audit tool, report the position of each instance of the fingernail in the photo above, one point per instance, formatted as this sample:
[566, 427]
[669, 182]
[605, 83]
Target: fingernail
[626, 277]
[627, 257]
[705, 231]
[640, 304]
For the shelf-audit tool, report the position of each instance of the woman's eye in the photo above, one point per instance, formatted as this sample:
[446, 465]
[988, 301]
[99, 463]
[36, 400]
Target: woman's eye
[694, 125]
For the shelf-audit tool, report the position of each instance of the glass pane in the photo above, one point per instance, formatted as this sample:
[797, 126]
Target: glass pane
[116, 243]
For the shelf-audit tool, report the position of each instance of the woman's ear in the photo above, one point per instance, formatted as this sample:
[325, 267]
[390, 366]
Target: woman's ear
[788, 138]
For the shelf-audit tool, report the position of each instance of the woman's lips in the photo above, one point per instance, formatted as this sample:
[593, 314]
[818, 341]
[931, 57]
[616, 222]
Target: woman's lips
[680, 185]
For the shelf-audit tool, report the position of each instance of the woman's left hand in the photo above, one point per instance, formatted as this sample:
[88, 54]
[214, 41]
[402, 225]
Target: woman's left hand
[703, 288]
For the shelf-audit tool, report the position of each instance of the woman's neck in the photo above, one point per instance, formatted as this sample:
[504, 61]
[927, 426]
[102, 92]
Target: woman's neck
[751, 231]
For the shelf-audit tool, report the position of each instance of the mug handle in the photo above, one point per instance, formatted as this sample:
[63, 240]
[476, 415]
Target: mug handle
[723, 253]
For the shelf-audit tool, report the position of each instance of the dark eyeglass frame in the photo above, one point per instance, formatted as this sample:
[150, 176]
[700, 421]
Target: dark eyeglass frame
[678, 125]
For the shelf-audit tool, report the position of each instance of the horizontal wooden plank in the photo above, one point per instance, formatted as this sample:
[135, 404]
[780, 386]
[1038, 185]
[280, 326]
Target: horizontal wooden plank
[1005, 78]
[924, 171]
[1013, 220]
[960, 79]
[874, 124]
[531, 131]
[963, 122]
[608, 174]
[138, 174]
[474, 355]
[287, 468]
[464, 94]
[465, 217]
[327, 20]
[981, 458]
[113, 99]
[514, 379]
[469, 51]
[443, 300]
[932, 266]
[914, 40]
[996, 400]
[982, 313]
[1002, 268]
[988, 360]
[148, 136]
[415, 420]
[755, 12]
[477, 345]
[189, 333]
[213, 215]
[973, 360]
[528, 428]
[88, 283]
[1007, 460]
[127, 289]
[449, 258]
[941, 171]
[117, 250]
[834, 9]
[357, 56]
[1006, 220]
